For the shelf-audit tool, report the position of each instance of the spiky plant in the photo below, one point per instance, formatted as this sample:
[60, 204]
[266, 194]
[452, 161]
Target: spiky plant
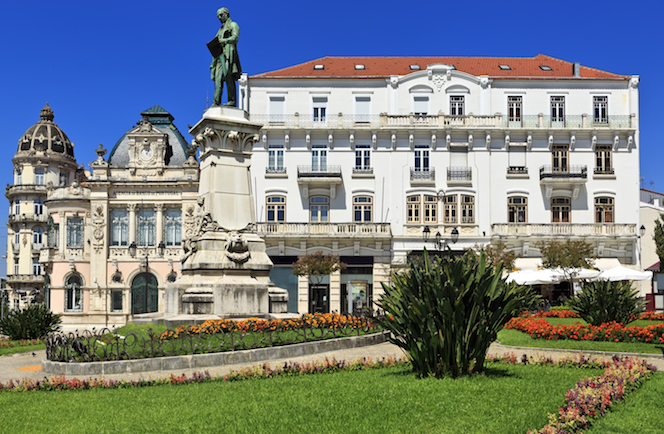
[604, 301]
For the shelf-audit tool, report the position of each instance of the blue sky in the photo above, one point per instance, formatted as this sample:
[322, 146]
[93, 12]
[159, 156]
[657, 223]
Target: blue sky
[99, 64]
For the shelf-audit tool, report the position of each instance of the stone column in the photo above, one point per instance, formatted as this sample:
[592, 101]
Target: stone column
[159, 209]
[62, 235]
[131, 209]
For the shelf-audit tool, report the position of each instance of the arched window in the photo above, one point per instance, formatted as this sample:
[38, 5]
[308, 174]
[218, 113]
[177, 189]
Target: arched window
[275, 209]
[362, 209]
[517, 209]
[560, 210]
[604, 210]
[73, 293]
[413, 209]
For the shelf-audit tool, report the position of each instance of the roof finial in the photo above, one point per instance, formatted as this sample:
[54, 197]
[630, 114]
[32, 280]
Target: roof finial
[46, 113]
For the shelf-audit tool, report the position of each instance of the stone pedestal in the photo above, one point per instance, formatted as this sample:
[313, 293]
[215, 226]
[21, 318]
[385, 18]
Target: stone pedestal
[226, 270]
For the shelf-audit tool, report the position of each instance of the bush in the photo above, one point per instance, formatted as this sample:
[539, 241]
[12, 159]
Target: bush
[604, 301]
[445, 313]
[33, 322]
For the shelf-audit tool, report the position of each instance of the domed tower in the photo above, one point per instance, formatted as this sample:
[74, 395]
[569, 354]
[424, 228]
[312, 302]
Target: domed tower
[44, 160]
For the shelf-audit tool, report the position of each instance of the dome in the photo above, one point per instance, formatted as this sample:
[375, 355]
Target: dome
[46, 135]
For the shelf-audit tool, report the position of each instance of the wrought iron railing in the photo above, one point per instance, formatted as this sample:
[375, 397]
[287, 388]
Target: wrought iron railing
[564, 172]
[459, 174]
[517, 170]
[422, 175]
[323, 171]
[108, 345]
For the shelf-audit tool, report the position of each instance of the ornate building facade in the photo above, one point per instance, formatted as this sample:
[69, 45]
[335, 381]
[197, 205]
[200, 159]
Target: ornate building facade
[373, 159]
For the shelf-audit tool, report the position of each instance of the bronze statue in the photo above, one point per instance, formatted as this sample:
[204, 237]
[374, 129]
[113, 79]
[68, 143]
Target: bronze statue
[225, 67]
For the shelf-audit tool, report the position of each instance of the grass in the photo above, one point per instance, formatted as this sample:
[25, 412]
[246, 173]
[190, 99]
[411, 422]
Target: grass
[520, 339]
[639, 413]
[508, 399]
[21, 348]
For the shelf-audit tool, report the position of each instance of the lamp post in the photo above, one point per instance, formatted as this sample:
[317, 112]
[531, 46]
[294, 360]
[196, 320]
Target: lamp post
[161, 248]
[454, 237]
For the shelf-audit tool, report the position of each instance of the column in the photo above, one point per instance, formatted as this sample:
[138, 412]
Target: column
[62, 235]
[131, 209]
[159, 211]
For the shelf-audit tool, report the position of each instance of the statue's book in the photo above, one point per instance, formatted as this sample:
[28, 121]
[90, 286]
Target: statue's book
[215, 47]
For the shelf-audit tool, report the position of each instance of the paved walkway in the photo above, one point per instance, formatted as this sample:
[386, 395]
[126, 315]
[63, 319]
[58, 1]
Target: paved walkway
[27, 365]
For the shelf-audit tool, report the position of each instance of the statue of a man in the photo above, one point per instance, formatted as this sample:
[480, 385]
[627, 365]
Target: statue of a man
[225, 67]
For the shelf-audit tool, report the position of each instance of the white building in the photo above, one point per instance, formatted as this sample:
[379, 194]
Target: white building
[362, 156]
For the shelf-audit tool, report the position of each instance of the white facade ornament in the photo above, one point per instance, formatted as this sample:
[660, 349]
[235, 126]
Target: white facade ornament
[437, 78]
[394, 81]
[287, 139]
[529, 140]
[307, 138]
[616, 141]
[351, 139]
[411, 139]
[330, 139]
[394, 139]
[507, 139]
[593, 140]
[484, 81]
[550, 139]
[634, 82]
[448, 139]
[488, 139]
[630, 141]
[470, 139]
[572, 140]
[264, 139]
[374, 139]
[433, 140]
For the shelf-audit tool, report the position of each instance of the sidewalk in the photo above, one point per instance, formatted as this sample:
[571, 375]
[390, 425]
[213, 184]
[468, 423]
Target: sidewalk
[25, 365]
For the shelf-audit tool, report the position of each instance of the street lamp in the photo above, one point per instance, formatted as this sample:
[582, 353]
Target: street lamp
[161, 248]
[439, 242]
[455, 235]
[642, 231]
[426, 233]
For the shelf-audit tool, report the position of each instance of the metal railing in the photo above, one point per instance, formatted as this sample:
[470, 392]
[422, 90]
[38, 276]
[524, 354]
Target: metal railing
[422, 175]
[326, 171]
[548, 171]
[273, 170]
[362, 170]
[600, 171]
[517, 170]
[459, 174]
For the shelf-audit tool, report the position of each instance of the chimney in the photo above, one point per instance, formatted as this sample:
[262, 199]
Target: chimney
[655, 202]
[577, 70]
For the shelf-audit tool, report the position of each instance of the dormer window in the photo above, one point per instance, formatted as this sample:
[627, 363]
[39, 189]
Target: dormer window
[319, 67]
[415, 67]
[359, 67]
[545, 68]
[505, 67]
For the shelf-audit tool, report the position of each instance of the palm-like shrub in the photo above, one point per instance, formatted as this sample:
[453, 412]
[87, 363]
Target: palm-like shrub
[33, 322]
[446, 312]
[603, 301]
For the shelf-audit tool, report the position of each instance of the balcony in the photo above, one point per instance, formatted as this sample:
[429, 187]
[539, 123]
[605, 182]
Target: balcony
[517, 170]
[319, 171]
[570, 122]
[421, 176]
[346, 230]
[459, 175]
[552, 229]
[27, 218]
[24, 278]
[574, 173]
[13, 190]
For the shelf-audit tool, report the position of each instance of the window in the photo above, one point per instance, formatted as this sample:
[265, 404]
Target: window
[75, 232]
[467, 209]
[517, 209]
[413, 209]
[19, 177]
[37, 236]
[320, 108]
[430, 209]
[17, 240]
[421, 105]
[16, 271]
[119, 228]
[362, 209]
[560, 210]
[600, 109]
[146, 227]
[275, 159]
[557, 109]
[560, 158]
[319, 160]
[39, 207]
[603, 159]
[362, 159]
[173, 227]
[276, 209]
[604, 210]
[39, 176]
[319, 208]
[421, 160]
[53, 235]
[456, 105]
[514, 108]
[73, 293]
[116, 300]
[63, 179]
[277, 109]
[450, 208]
[17, 208]
[362, 109]
[37, 269]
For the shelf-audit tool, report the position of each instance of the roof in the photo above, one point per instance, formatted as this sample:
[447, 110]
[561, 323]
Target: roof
[383, 67]
[163, 121]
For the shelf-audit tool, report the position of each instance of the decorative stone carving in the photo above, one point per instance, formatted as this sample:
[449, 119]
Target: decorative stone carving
[438, 79]
[237, 249]
[98, 224]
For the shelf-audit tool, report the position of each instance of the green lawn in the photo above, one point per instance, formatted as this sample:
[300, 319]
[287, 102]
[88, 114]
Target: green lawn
[21, 349]
[640, 413]
[508, 399]
[520, 339]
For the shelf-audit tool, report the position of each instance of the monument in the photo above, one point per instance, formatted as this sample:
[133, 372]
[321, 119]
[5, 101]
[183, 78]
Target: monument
[225, 270]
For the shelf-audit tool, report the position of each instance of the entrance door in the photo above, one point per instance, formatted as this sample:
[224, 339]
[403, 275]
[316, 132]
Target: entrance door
[319, 298]
[144, 294]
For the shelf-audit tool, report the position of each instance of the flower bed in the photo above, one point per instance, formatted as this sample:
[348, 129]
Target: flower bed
[592, 397]
[563, 313]
[540, 328]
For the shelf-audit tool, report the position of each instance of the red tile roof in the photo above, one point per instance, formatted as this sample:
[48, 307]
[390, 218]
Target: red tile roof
[380, 67]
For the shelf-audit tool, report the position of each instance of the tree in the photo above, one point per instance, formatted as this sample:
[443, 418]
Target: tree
[317, 266]
[659, 241]
[446, 312]
[497, 252]
[567, 255]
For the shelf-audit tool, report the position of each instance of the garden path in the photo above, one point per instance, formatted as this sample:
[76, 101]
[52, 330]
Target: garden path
[27, 365]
